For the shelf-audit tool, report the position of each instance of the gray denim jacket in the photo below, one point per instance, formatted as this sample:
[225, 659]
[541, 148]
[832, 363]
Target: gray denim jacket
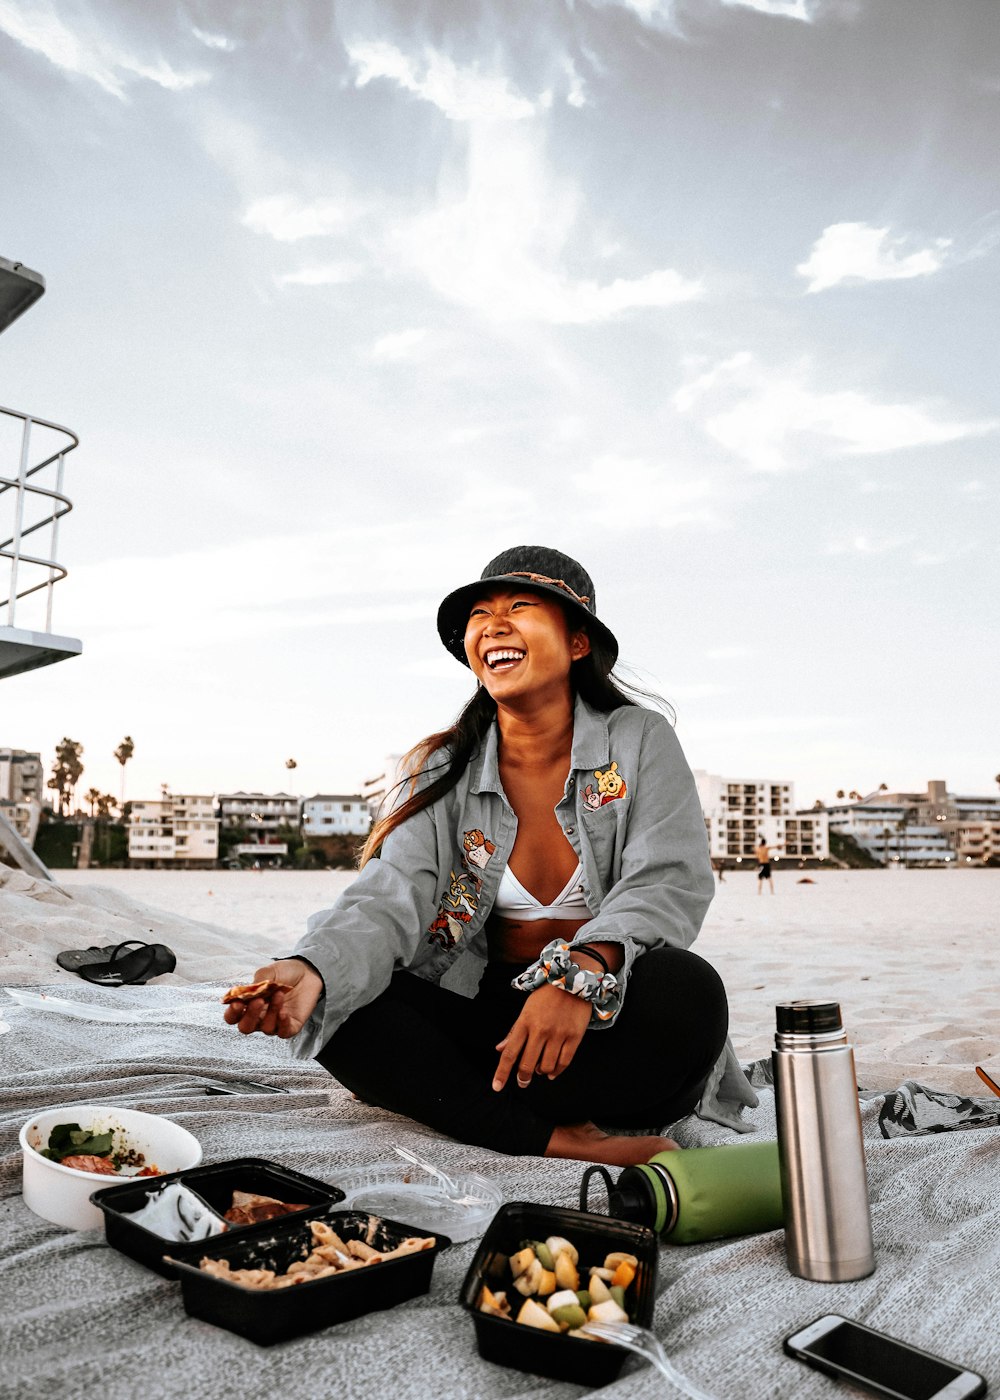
[630, 810]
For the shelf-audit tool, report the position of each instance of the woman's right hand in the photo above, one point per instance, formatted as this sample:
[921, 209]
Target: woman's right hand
[287, 1012]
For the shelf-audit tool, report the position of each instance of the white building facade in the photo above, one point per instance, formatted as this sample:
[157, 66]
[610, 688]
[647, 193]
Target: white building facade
[262, 812]
[935, 827]
[740, 813]
[332, 814]
[21, 791]
[382, 791]
[178, 829]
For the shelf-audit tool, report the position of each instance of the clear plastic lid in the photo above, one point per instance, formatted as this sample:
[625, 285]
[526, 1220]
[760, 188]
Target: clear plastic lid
[405, 1193]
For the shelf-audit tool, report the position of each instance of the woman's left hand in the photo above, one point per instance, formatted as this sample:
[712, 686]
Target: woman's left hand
[544, 1038]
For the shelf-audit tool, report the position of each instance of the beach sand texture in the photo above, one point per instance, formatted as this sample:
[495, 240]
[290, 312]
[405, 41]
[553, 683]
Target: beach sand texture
[912, 956]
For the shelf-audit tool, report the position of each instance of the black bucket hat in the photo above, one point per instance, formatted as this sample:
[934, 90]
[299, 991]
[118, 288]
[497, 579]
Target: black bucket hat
[538, 570]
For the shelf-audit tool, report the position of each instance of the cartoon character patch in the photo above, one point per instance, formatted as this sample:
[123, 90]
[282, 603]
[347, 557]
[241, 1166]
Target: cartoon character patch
[477, 849]
[591, 798]
[610, 784]
[461, 900]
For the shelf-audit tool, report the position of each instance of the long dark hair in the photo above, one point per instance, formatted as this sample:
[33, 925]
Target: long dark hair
[590, 677]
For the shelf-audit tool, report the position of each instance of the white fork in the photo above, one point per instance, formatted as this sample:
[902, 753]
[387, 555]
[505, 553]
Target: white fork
[645, 1343]
[451, 1187]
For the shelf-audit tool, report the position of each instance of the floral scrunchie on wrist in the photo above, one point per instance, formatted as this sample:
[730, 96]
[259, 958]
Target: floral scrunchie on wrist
[556, 967]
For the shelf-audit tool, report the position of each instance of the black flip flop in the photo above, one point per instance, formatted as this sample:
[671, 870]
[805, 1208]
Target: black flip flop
[75, 958]
[129, 968]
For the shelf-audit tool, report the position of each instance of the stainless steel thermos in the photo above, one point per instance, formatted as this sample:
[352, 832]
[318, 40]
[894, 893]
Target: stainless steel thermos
[824, 1182]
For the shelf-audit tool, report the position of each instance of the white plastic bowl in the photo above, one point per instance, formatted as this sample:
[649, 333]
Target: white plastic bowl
[62, 1194]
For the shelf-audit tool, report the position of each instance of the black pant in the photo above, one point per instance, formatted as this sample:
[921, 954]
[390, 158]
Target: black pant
[422, 1051]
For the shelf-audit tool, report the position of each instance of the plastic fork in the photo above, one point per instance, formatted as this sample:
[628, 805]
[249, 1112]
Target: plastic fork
[451, 1188]
[645, 1343]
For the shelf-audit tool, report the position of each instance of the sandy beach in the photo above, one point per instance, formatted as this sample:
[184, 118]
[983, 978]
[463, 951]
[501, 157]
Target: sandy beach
[912, 955]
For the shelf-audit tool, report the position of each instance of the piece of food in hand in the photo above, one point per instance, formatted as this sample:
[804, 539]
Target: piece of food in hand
[248, 1208]
[251, 991]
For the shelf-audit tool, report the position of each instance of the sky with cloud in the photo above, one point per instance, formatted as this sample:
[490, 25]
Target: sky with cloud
[346, 297]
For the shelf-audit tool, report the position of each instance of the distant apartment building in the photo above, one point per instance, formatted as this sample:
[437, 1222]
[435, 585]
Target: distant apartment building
[331, 814]
[21, 791]
[178, 829]
[935, 827]
[741, 812]
[261, 815]
[382, 790]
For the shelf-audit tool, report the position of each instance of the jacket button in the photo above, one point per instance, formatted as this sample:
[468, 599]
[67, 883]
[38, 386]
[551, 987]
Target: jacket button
[569, 831]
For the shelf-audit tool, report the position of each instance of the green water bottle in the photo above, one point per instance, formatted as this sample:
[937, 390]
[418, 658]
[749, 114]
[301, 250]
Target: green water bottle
[698, 1193]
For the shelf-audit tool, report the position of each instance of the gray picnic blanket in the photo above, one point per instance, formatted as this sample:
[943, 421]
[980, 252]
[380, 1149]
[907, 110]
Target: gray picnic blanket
[76, 1317]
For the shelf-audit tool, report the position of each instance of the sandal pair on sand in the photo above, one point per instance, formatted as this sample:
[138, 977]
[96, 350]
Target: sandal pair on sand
[116, 966]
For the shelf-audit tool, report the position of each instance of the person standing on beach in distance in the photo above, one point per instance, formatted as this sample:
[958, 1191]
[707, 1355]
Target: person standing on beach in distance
[763, 854]
[511, 965]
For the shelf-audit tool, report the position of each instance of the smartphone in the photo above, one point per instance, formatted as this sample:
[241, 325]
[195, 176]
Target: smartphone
[884, 1365]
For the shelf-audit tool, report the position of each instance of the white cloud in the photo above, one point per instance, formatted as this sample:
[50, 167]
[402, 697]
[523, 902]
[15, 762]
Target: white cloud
[399, 345]
[497, 243]
[667, 12]
[644, 491]
[214, 41]
[88, 55]
[182, 602]
[288, 218]
[785, 9]
[462, 94]
[326, 275]
[767, 416]
[865, 544]
[860, 253]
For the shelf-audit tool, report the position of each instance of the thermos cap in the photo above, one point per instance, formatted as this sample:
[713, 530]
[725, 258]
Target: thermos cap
[808, 1017]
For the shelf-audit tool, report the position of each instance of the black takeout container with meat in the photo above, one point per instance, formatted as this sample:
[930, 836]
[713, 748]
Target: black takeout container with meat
[558, 1355]
[215, 1185]
[266, 1316]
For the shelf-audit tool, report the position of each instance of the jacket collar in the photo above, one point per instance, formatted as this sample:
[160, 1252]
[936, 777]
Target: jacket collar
[591, 748]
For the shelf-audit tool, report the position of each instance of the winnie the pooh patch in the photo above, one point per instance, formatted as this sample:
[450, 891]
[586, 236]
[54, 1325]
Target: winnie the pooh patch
[610, 785]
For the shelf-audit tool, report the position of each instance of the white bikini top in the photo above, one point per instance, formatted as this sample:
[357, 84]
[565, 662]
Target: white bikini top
[514, 902]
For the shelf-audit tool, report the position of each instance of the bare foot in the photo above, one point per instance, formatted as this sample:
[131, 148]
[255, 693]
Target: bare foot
[584, 1142]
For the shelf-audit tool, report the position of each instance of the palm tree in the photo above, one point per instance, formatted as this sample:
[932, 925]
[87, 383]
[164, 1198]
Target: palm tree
[123, 753]
[93, 796]
[290, 763]
[66, 771]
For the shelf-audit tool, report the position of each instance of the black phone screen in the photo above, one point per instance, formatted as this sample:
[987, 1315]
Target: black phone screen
[883, 1361]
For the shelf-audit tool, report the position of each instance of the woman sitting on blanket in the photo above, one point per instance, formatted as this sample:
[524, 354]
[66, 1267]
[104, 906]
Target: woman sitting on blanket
[511, 965]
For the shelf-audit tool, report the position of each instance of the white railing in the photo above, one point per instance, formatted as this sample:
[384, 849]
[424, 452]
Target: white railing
[24, 579]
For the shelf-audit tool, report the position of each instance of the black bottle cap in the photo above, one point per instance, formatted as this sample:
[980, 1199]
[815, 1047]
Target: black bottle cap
[808, 1017]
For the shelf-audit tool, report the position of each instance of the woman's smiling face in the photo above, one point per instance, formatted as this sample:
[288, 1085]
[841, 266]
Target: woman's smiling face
[518, 642]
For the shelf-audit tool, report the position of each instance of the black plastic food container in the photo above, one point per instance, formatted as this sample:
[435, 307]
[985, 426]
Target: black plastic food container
[266, 1316]
[215, 1185]
[561, 1356]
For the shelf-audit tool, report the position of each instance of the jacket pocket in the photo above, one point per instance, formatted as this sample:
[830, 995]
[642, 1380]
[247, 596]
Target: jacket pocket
[599, 828]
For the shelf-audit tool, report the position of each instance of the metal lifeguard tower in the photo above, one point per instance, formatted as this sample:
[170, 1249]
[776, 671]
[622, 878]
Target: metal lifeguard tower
[38, 504]
[31, 500]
